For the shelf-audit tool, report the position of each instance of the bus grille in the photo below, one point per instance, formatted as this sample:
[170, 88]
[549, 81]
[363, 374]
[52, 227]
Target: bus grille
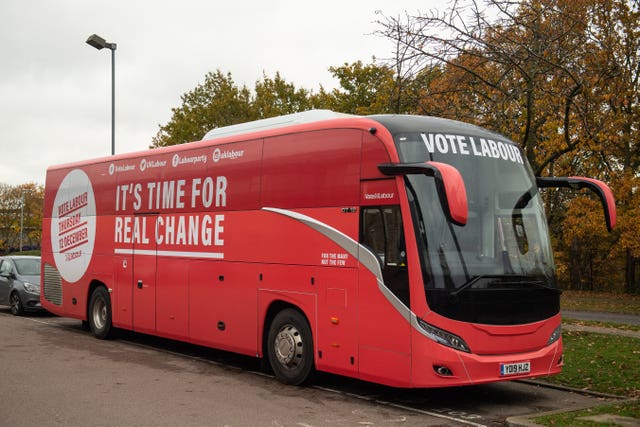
[52, 285]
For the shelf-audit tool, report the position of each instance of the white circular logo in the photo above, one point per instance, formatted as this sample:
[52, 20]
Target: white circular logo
[216, 155]
[73, 225]
[175, 160]
[143, 164]
[112, 169]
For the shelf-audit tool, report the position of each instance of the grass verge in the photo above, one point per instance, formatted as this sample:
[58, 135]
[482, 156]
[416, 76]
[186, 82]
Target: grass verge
[629, 409]
[602, 363]
[600, 302]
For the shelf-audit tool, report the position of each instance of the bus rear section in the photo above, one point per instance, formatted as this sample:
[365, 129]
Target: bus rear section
[408, 251]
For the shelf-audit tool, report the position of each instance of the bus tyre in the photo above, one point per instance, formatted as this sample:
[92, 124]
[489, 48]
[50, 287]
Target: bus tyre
[99, 317]
[290, 347]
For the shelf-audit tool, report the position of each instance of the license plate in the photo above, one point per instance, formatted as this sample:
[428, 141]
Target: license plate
[515, 368]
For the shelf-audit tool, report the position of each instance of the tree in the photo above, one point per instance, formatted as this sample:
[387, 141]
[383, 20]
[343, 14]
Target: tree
[15, 201]
[616, 118]
[220, 102]
[610, 120]
[216, 102]
[516, 74]
[275, 97]
[9, 210]
[560, 77]
[364, 89]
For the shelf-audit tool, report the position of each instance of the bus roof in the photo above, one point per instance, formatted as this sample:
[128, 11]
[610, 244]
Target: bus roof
[402, 123]
[275, 122]
[307, 120]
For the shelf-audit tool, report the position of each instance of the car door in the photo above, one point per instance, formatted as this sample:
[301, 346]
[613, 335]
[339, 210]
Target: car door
[5, 280]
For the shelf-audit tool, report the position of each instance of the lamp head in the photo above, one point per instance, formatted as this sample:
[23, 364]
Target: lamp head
[100, 43]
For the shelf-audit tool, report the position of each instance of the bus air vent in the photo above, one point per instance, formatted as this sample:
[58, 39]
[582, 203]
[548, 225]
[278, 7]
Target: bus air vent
[52, 285]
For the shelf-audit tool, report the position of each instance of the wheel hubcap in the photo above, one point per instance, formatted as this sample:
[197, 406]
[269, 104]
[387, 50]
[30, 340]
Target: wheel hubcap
[99, 313]
[288, 346]
[15, 303]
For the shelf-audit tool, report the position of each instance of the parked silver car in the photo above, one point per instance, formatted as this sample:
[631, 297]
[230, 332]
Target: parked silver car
[20, 283]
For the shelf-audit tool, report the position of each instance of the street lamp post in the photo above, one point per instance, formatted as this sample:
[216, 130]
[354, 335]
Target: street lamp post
[21, 216]
[100, 43]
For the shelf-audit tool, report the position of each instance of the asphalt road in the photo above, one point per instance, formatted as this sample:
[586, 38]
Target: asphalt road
[54, 374]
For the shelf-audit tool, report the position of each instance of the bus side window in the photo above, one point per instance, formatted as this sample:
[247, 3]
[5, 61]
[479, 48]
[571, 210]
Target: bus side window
[381, 231]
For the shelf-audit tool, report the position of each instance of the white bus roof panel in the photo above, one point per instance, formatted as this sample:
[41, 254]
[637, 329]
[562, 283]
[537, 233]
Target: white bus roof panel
[275, 122]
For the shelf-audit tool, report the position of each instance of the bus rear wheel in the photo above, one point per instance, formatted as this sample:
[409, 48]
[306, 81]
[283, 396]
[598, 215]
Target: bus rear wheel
[290, 347]
[99, 315]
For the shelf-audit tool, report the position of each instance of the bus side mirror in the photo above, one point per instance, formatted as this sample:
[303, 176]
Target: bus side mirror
[600, 188]
[449, 183]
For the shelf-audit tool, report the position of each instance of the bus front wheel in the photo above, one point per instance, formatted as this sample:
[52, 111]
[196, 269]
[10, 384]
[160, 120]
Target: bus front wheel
[99, 316]
[290, 347]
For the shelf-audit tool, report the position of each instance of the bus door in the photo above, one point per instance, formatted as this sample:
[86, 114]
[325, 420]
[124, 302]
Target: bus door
[144, 273]
[384, 309]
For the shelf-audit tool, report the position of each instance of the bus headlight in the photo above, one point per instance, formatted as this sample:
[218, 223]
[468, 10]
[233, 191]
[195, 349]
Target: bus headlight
[555, 335]
[443, 337]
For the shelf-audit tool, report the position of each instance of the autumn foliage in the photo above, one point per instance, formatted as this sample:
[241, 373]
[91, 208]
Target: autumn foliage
[20, 212]
[561, 78]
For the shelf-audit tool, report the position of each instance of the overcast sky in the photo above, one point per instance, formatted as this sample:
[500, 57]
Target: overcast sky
[55, 90]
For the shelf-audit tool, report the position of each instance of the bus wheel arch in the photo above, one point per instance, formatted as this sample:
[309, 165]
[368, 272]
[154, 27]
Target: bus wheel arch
[99, 313]
[288, 344]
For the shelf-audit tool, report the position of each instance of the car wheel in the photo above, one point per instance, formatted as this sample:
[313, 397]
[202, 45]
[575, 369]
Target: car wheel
[17, 309]
[290, 347]
[99, 315]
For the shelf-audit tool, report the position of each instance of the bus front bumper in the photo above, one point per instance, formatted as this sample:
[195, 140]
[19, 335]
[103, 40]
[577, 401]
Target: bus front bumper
[449, 367]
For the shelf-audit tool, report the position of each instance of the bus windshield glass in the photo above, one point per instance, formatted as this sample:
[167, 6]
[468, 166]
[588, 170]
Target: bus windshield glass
[505, 242]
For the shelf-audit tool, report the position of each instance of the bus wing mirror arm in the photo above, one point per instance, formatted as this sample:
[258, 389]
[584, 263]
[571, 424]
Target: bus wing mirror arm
[449, 183]
[600, 188]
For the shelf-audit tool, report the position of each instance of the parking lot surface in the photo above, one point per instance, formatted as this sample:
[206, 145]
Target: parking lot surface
[54, 373]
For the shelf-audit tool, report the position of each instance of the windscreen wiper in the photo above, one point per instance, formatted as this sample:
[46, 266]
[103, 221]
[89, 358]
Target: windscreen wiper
[513, 281]
[540, 284]
[469, 284]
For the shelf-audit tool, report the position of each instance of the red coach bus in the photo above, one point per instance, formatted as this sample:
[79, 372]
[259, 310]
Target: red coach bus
[405, 250]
